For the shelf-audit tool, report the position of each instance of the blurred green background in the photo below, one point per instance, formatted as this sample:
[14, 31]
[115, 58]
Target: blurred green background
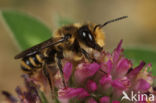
[138, 31]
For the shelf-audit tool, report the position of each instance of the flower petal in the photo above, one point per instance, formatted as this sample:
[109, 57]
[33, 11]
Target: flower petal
[67, 71]
[105, 99]
[107, 67]
[106, 79]
[142, 85]
[122, 67]
[69, 93]
[136, 70]
[30, 94]
[91, 85]
[118, 84]
[85, 70]
[91, 100]
[117, 52]
[126, 82]
[119, 46]
[58, 80]
[9, 97]
[21, 95]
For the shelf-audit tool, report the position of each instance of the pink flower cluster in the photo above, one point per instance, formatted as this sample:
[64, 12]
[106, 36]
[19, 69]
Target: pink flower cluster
[105, 80]
[102, 81]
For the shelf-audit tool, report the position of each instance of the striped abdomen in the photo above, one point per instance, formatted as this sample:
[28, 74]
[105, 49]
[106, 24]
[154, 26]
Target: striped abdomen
[31, 63]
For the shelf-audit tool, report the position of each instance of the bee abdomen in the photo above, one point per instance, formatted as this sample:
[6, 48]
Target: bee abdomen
[31, 63]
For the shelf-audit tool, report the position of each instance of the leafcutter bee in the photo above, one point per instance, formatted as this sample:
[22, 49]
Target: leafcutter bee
[75, 38]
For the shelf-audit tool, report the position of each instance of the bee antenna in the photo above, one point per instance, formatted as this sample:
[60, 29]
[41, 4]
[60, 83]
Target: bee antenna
[110, 21]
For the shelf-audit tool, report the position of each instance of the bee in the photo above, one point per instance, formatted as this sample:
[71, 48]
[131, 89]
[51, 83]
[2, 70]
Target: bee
[77, 38]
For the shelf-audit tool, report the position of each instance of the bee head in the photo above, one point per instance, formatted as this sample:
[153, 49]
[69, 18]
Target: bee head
[91, 38]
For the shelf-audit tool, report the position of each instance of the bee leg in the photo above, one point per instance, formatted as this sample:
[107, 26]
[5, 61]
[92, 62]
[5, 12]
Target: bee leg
[46, 73]
[59, 63]
[87, 56]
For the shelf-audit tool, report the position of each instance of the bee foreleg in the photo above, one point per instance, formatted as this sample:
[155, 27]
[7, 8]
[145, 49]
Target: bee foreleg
[87, 55]
[59, 63]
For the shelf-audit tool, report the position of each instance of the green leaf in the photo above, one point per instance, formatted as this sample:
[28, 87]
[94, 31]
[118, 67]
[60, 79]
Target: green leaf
[63, 21]
[27, 31]
[138, 55]
[42, 97]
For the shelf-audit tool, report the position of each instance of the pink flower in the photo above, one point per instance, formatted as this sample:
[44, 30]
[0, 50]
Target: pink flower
[118, 84]
[105, 99]
[91, 85]
[106, 79]
[102, 81]
[85, 70]
[67, 70]
[136, 70]
[142, 85]
[91, 100]
[72, 92]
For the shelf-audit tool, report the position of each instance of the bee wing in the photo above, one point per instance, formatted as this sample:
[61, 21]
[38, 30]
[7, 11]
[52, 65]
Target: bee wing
[39, 47]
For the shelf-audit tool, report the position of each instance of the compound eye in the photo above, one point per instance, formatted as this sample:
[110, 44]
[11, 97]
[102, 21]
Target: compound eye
[87, 36]
[84, 34]
[90, 37]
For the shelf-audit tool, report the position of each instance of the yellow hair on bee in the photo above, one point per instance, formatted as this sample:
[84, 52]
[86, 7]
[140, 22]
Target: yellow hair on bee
[32, 61]
[25, 65]
[100, 37]
[39, 58]
[77, 25]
